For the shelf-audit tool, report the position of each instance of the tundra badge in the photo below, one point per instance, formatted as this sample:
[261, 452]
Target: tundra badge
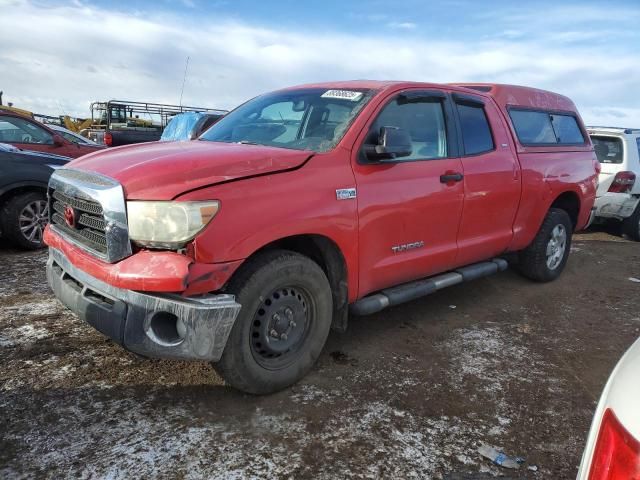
[407, 246]
[345, 193]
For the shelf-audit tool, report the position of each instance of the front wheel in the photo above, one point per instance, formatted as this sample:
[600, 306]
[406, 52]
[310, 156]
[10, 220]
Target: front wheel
[547, 255]
[24, 218]
[284, 321]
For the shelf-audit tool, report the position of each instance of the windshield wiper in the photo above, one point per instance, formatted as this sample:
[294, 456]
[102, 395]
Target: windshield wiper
[247, 142]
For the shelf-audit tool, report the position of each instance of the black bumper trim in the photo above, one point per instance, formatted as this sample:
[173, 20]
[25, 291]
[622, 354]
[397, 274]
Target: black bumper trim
[126, 316]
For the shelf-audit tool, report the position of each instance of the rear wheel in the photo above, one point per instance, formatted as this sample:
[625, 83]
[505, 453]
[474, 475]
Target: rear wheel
[282, 325]
[24, 218]
[631, 225]
[547, 255]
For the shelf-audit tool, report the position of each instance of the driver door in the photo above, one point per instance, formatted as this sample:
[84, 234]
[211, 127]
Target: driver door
[409, 207]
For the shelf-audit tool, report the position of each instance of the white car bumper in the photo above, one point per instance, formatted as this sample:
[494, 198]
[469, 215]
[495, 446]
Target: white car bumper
[616, 205]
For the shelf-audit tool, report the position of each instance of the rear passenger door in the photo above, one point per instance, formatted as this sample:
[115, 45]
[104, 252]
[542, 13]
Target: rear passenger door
[492, 182]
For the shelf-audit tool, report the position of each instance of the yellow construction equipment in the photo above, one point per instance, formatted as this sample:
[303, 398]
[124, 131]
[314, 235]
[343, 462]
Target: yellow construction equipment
[76, 124]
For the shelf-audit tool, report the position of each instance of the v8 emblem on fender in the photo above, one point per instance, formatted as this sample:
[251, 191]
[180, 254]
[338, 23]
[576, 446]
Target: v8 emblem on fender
[345, 193]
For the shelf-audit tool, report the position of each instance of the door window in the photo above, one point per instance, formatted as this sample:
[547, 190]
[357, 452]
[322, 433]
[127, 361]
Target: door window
[423, 119]
[18, 130]
[476, 133]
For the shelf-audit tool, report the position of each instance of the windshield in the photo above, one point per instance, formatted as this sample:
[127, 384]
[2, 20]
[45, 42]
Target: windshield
[75, 138]
[307, 119]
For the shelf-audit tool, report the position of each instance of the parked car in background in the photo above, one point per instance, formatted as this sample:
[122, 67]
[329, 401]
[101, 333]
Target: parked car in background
[188, 125]
[122, 122]
[24, 176]
[246, 246]
[29, 134]
[613, 445]
[618, 199]
[73, 136]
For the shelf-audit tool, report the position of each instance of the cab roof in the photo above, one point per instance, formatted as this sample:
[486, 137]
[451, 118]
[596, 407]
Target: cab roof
[363, 84]
[505, 95]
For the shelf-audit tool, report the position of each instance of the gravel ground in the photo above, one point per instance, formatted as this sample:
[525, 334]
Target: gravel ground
[410, 392]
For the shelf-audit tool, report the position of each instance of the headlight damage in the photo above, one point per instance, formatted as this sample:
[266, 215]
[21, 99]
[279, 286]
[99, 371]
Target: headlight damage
[163, 224]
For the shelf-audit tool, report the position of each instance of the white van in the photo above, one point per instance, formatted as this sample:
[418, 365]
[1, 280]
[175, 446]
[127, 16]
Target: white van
[618, 196]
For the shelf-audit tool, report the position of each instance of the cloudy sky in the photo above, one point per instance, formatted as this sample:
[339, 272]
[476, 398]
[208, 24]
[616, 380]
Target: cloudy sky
[58, 56]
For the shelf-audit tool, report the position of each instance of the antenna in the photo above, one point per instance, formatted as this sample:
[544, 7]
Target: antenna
[184, 79]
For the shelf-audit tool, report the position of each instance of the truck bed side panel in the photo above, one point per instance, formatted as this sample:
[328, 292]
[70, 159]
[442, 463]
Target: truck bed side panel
[546, 176]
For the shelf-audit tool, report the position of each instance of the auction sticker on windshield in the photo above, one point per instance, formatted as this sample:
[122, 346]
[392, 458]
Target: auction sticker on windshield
[343, 95]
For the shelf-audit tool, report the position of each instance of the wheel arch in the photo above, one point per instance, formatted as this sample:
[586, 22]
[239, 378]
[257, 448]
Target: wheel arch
[327, 254]
[568, 201]
[12, 190]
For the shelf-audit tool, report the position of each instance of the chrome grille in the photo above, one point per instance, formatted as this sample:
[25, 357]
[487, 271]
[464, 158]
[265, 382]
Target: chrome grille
[79, 203]
[99, 220]
[86, 177]
[90, 225]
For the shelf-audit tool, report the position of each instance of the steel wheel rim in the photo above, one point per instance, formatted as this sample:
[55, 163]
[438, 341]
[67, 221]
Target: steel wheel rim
[32, 220]
[556, 247]
[280, 327]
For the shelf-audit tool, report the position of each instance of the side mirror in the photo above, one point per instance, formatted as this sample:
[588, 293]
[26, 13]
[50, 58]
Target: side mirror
[393, 142]
[58, 141]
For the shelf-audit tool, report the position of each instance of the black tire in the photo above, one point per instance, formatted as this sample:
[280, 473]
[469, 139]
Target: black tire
[24, 217]
[631, 225]
[534, 261]
[293, 287]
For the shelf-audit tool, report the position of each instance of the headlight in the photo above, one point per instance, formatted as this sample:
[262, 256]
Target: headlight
[168, 224]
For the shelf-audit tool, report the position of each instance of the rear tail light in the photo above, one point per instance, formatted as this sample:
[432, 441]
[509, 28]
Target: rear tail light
[108, 139]
[623, 182]
[617, 454]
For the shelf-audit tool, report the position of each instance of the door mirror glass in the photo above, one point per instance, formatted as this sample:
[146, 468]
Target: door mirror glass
[393, 142]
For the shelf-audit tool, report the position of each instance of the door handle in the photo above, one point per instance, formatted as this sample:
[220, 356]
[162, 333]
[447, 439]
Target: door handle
[451, 177]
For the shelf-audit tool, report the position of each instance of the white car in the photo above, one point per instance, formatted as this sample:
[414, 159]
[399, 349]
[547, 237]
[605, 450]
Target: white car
[71, 136]
[618, 196]
[613, 445]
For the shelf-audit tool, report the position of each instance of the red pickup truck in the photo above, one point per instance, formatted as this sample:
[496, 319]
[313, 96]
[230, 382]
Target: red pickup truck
[245, 247]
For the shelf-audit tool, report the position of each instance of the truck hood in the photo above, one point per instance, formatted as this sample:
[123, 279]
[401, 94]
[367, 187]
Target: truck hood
[164, 170]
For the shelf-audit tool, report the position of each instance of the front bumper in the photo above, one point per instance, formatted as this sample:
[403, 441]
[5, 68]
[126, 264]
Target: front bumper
[158, 325]
[616, 205]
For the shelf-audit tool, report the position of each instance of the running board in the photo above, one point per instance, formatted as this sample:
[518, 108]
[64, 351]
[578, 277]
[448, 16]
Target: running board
[410, 291]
